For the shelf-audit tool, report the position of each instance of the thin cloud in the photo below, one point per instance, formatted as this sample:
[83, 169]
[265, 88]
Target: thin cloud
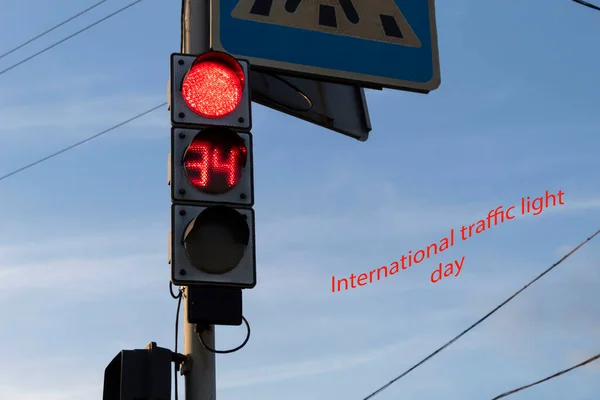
[99, 263]
[70, 117]
[49, 378]
[52, 87]
[322, 365]
[402, 219]
[74, 245]
[68, 391]
[64, 110]
[97, 274]
[582, 204]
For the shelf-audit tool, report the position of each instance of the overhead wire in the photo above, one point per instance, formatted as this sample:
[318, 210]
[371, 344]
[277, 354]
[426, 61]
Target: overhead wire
[585, 3]
[41, 160]
[581, 364]
[51, 29]
[387, 385]
[182, 41]
[69, 37]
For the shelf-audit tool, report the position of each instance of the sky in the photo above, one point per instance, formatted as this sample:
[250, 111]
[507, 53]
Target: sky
[83, 244]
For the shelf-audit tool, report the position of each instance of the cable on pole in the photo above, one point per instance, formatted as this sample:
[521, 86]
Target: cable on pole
[69, 37]
[176, 365]
[387, 385]
[581, 364]
[41, 160]
[51, 29]
[225, 351]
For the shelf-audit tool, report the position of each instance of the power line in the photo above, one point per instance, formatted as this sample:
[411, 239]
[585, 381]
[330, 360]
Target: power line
[16, 171]
[51, 29]
[585, 3]
[589, 360]
[69, 37]
[381, 389]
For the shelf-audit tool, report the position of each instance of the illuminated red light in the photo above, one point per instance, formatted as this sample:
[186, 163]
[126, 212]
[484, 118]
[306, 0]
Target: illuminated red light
[214, 162]
[214, 85]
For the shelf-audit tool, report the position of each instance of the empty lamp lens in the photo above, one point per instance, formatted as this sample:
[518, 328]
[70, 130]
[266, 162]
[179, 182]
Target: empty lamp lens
[216, 240]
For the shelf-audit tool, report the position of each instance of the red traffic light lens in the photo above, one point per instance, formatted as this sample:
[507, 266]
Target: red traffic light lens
[215, 160]
[214, 84]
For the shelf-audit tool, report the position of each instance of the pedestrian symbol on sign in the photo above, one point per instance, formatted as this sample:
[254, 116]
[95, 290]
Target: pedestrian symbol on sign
[373, 20]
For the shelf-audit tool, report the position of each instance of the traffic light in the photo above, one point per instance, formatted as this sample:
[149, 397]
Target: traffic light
[139, 374]
[211, 172]
[210, 90]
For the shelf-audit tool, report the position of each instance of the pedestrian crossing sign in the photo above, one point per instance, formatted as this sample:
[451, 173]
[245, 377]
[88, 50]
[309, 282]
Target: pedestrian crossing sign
[372, 43]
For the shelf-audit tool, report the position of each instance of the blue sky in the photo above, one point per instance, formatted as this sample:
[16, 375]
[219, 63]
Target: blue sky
[83, 244]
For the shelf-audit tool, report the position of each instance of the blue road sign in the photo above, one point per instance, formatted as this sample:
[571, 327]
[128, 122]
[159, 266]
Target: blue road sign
[386, 43]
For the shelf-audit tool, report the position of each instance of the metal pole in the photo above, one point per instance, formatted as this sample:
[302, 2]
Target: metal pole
[200, 380]
[196, 26]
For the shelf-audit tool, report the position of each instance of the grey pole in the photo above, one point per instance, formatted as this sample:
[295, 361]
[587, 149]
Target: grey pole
[200, 379]
[196, 26]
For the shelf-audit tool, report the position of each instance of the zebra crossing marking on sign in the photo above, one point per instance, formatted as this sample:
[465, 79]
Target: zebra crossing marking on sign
[375, 20]
[372, 43]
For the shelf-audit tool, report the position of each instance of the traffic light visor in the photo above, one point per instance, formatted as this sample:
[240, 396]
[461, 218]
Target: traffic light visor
[214, 84]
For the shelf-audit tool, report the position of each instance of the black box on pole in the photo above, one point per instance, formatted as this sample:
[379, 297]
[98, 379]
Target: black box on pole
[214, 305]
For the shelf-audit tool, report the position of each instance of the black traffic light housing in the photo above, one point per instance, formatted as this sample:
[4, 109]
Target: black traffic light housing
[220, 248]
[184, 192]
[212, 240]
[182, 115]
[139, 374]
